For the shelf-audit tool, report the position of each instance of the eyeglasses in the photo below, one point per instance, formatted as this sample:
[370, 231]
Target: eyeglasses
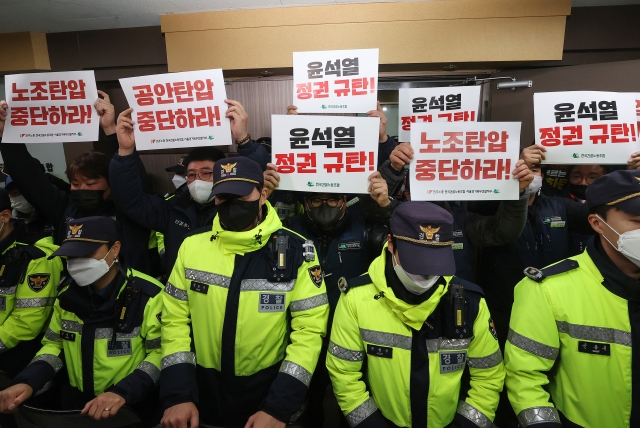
[317, 202]
[202, 175]
[579, 177]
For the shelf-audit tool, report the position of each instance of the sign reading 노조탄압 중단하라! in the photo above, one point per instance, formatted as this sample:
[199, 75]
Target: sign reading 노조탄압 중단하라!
[458, 161]
[443, 104]
[51, 107]
[344, 81]
[586, 127]
[325, 154]
[177, 110]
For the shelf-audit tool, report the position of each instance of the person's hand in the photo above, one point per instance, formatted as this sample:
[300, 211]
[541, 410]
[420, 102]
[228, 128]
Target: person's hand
[533, 155]
[239, 119]
[632, 163]
[292, 110]
[103, 406]
[523, 174]
[378, 189]
[107, 113]
[271, 178]
[14, 396]
[126, 138]
[263, 420]
[382, 133]
[3, 115]
[181, 416]
[401, 156]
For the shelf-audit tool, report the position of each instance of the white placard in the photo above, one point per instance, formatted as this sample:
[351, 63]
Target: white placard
[51, 107]
[178, 110]
[427, 105]
[325, 154]
[586, 127]
[461, 161]
[335, 81]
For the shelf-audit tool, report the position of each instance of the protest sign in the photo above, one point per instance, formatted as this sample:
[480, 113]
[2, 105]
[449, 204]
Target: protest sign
[325, 154]
[335, 81]
[446, 104]
[586, 127]
[51, 107]
[464, 161]
[178, 110]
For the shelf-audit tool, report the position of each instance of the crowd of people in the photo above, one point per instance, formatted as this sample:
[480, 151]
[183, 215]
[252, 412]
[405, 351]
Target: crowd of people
[232, 303]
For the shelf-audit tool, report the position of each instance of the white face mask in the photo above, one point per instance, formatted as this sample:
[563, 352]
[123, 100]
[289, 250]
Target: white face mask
[628, 243]
[19, 203]
[200, 191]
[178, 180]
[415, 284]
[85, 271]
[536, 184]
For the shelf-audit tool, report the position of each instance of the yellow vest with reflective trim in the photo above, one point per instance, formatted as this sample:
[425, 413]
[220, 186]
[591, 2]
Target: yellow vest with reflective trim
[26, 306]
[573, 334]
[362, 320]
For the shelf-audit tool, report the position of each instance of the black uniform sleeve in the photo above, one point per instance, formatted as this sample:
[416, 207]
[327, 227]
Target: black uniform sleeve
[36, 375]
[127, 191]
[134, 387]
[376, 238]
[578, 216]
[385, 149]
[256, 152]
[50, 202]
[502, 228]
[393, 178]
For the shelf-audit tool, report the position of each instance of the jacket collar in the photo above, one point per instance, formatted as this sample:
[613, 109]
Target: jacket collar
[412, 315]
[614, 279]
[250, 240]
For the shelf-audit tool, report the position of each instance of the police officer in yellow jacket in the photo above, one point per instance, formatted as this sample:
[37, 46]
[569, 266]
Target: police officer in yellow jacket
[256, 302]
[573, 352]
[106, 321]
[27, 291]
[418, 328]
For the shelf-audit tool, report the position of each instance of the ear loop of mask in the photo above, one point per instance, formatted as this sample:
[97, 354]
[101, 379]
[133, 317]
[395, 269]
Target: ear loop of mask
[604, 236]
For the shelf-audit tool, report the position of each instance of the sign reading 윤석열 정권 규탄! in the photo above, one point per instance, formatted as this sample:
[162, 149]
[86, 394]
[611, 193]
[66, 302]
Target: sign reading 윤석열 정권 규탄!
[325, 154]
[586, 127]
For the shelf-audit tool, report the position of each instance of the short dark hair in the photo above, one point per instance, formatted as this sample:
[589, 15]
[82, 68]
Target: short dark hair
[601, 210]
[204, 154]
[91, 164]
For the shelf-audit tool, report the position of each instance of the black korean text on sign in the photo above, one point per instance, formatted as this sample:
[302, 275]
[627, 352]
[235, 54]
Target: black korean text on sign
[602, 110]
[338, 68]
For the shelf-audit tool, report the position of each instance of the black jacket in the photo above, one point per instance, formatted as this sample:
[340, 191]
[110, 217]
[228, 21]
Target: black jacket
[54, 205]
[175, 217]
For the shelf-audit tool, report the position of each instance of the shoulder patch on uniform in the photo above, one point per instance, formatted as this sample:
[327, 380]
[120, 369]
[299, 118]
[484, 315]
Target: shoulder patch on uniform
[535, 274]
[38, 281]
[492, 329]
[539, 275]
[315, 273]
[33, 251]
[468, 285]
[159, 317]
[355, 282]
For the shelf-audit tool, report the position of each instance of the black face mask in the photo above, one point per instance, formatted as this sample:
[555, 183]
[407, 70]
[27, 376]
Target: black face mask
[89, 201]
[578, 190]
[236, 215]
[325, 217]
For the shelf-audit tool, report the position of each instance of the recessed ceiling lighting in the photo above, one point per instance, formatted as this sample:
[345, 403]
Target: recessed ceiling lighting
[384, 109]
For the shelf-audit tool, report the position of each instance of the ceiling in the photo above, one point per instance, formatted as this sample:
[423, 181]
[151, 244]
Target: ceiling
[53, 16]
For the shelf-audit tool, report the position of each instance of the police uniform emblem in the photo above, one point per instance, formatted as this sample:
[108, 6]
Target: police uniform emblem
[75, 230]
[429, 231]
[159, 317]
[37, 282]
[315, 273]
[492, 329]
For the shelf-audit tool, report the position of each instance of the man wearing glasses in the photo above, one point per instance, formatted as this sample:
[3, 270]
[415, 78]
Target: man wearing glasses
[188, 211]
[346, 244]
